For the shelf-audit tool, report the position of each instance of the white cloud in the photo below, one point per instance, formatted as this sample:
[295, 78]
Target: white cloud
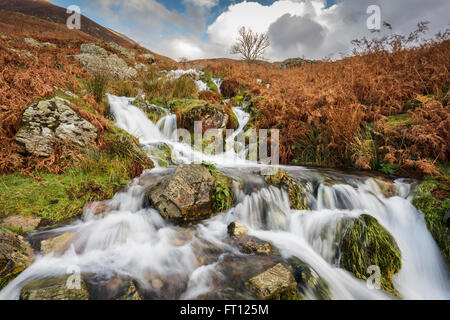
[203, 3]
[296, 27]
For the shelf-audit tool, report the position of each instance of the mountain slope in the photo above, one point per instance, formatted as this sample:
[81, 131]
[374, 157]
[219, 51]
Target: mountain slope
[45, 10]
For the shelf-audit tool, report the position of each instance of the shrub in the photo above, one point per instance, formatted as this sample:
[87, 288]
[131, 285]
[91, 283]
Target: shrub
[229, 88]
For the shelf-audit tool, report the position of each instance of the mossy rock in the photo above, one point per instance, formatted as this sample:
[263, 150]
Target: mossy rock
[212, 116]
[297, 194]
[54, 289]
[15, 256]
[430, 199]
[161, 153]
[364, 243]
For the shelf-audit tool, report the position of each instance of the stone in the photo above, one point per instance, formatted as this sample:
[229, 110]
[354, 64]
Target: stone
[45, 122]
[252, 245]
[366, 242]
[21, 223]
[58, 244]
[127, 53]
[150, 58]
[297, 194]
[15, 256]
[387, 188]
[185, 195]
[275, 283]
[212, 117]
[97, 60]
[237, 230]
[101, 208]
[32, 42]
[57, 288]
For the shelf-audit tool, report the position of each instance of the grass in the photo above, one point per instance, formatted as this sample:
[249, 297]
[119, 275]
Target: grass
[98, 86]
[98, 176]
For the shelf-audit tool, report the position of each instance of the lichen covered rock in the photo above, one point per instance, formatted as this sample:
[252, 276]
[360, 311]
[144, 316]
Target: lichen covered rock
[277, 283]
[54, 289]
[97, 60]
[15, 256]
[185, 195]
[297, 194]
[49, 120]
[364, 243]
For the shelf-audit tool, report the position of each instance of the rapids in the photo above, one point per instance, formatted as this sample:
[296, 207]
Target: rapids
[134, 241]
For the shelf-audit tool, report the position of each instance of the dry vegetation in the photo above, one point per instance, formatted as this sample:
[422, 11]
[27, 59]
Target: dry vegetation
[30, 73]
[344, 113]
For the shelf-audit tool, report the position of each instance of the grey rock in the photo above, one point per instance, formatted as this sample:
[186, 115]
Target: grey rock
[97, 60]
[150, 58]
[185, 195]
[275, 283]
[127, 53]
[49, 120]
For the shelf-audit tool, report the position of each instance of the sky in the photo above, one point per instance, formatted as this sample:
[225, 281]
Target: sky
[313, 29]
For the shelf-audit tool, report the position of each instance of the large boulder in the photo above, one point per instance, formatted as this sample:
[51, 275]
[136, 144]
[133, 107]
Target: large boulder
[15, 256]
[297, 194]
[212, 116]
[364, 243]
[277, 283]
[54, 289]
[185, 195]
[49, 120]
[97, 60]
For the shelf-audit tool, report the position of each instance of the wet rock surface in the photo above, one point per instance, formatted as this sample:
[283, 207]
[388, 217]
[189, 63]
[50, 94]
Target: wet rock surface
[185, 195]
[277, 283]
[57, 244]
[297, 195]
[49, 120]
[58, 288]
[15, 256]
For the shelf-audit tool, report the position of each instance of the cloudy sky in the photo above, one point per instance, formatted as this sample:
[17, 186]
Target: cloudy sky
[314, 29]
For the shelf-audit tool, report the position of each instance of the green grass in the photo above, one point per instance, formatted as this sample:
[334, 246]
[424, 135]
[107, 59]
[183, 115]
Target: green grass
[399, 119]
[98, 176]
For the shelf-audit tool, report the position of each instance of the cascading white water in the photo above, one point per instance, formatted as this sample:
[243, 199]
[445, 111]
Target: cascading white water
[134, 241]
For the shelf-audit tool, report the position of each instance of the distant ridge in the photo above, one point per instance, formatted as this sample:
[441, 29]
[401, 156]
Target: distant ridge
[46, 10]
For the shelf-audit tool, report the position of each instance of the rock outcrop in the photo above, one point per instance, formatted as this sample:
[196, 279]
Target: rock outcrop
[97, 60]
[15, 256]
[49, 120]
[185, 195]
[277, 283]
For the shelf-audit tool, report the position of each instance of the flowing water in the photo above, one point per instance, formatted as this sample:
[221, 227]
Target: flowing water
[200, 262]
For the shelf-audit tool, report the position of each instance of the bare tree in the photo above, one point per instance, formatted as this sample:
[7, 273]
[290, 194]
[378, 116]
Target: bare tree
[250, 45]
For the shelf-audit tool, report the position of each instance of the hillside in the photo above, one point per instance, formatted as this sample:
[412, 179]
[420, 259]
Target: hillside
[46, 10]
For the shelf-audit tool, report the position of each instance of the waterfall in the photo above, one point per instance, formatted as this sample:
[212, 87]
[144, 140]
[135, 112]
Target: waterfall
[135, 241]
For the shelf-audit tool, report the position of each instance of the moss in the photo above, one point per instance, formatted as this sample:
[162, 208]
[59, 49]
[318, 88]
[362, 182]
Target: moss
[367, 243]
[432, 199]
[399, 119]
[98, 176]
[297, 197]
[223, 197]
